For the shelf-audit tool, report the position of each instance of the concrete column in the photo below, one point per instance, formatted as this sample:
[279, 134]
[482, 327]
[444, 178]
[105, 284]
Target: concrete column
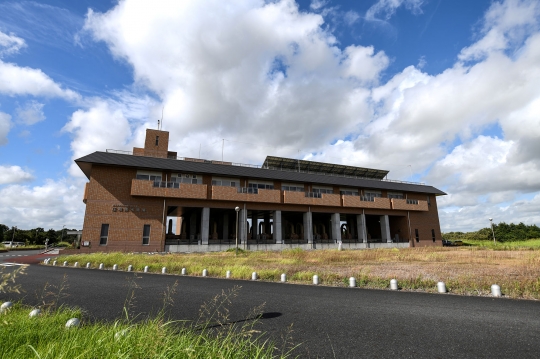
[267, 222]
[193, 226]
[254, 225]
[178, 230]
[205, 225]
[277, 227]
[336, 230]
[385, 229]
[226, 226]
[169, 227]
[308, 227]
[361, 224]
[242, 227]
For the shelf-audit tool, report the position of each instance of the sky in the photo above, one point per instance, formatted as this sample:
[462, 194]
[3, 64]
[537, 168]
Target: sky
[443, 92]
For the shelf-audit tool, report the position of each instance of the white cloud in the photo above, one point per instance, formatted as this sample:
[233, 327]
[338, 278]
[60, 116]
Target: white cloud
[17, 81]
[99, 128]
[5, 126]
[52, 205]
[267, 74]
[351, 17]
[31, 113]
[14, 174]
[506, 25]
[318, 4]
[387, 8]
[10, 44]
[239, 68]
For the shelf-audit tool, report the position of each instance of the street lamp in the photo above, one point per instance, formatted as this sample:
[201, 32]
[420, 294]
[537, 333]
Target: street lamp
[492, 231]
[237, 209]
[62, 237]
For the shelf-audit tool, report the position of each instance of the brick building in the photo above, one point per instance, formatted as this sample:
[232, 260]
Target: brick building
[151, 200]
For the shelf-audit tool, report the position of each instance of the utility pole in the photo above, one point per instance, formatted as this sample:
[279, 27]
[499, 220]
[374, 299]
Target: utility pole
[13, 237]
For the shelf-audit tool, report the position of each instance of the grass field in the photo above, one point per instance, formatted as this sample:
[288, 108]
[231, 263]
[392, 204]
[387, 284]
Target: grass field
[529, 244]
[465, 270]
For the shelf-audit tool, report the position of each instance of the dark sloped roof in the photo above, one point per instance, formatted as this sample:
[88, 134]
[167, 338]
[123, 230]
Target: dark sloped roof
[321, 167]
[174, 165]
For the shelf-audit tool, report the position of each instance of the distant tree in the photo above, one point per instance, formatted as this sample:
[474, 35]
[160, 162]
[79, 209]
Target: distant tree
[52, 236]
[503, 233]
[3, 229]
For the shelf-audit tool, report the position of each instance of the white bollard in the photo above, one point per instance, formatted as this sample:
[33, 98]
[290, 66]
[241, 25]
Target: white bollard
[393, 284]
[340, 246]
[163, 270]
[130, 268]
[316, 279]
[88, 265]
[204, 273]
[73, 322]
[254, 276]
[65, 264]
[441, 287]
[283, 277]
[5, 306]
[34, 313]
[496, 290]
[76, 264]
[54, 263]
[184, 271]
[101, 266]
[145, 269]
[115, 267]
[352, 282]
[228, 274]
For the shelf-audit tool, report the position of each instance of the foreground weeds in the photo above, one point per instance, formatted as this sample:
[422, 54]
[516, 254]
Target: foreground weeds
[465, 270]
[213, 335]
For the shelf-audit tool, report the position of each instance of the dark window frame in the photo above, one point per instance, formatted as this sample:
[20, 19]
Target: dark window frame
[104, 234]
[417, 235]
[146, 235]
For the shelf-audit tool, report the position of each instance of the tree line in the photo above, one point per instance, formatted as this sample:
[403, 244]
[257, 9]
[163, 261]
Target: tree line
[35, 235]
[503, 233]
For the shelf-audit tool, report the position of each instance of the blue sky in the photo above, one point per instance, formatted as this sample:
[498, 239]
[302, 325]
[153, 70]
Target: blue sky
[438, 91]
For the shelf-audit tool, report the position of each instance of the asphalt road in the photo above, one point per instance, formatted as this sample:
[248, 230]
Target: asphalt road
[327, 322]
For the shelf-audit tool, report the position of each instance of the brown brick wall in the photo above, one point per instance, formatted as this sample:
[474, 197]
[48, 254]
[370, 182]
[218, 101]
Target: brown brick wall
[401, 204]
[150, 140]
[300, 198]
[146, 188]
[231, 194]
[85, 195]
[109, 189]
[354, 201]
[425, 222]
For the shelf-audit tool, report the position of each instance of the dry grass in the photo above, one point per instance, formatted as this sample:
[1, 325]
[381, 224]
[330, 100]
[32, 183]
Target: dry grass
[467, 271]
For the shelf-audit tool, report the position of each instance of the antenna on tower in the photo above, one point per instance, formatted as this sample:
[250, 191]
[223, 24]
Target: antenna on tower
[162, 109]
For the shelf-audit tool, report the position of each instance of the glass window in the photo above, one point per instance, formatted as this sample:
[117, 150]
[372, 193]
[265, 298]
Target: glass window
[395, 195]
[323, 190]
[417, 236]
[157, 140]
[433, 235]
[146, 234]
[104, 235]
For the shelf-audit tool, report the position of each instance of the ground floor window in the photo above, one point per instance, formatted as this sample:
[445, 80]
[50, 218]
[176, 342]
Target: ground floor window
[146, 234]
[433, 234]
[104, 235]
[416, 235]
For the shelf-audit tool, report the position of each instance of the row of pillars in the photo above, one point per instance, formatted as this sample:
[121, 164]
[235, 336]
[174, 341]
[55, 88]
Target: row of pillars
[277, 232]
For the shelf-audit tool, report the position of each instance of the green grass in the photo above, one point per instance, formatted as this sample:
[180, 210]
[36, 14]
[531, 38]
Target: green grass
[46, 337]
[517, 245]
